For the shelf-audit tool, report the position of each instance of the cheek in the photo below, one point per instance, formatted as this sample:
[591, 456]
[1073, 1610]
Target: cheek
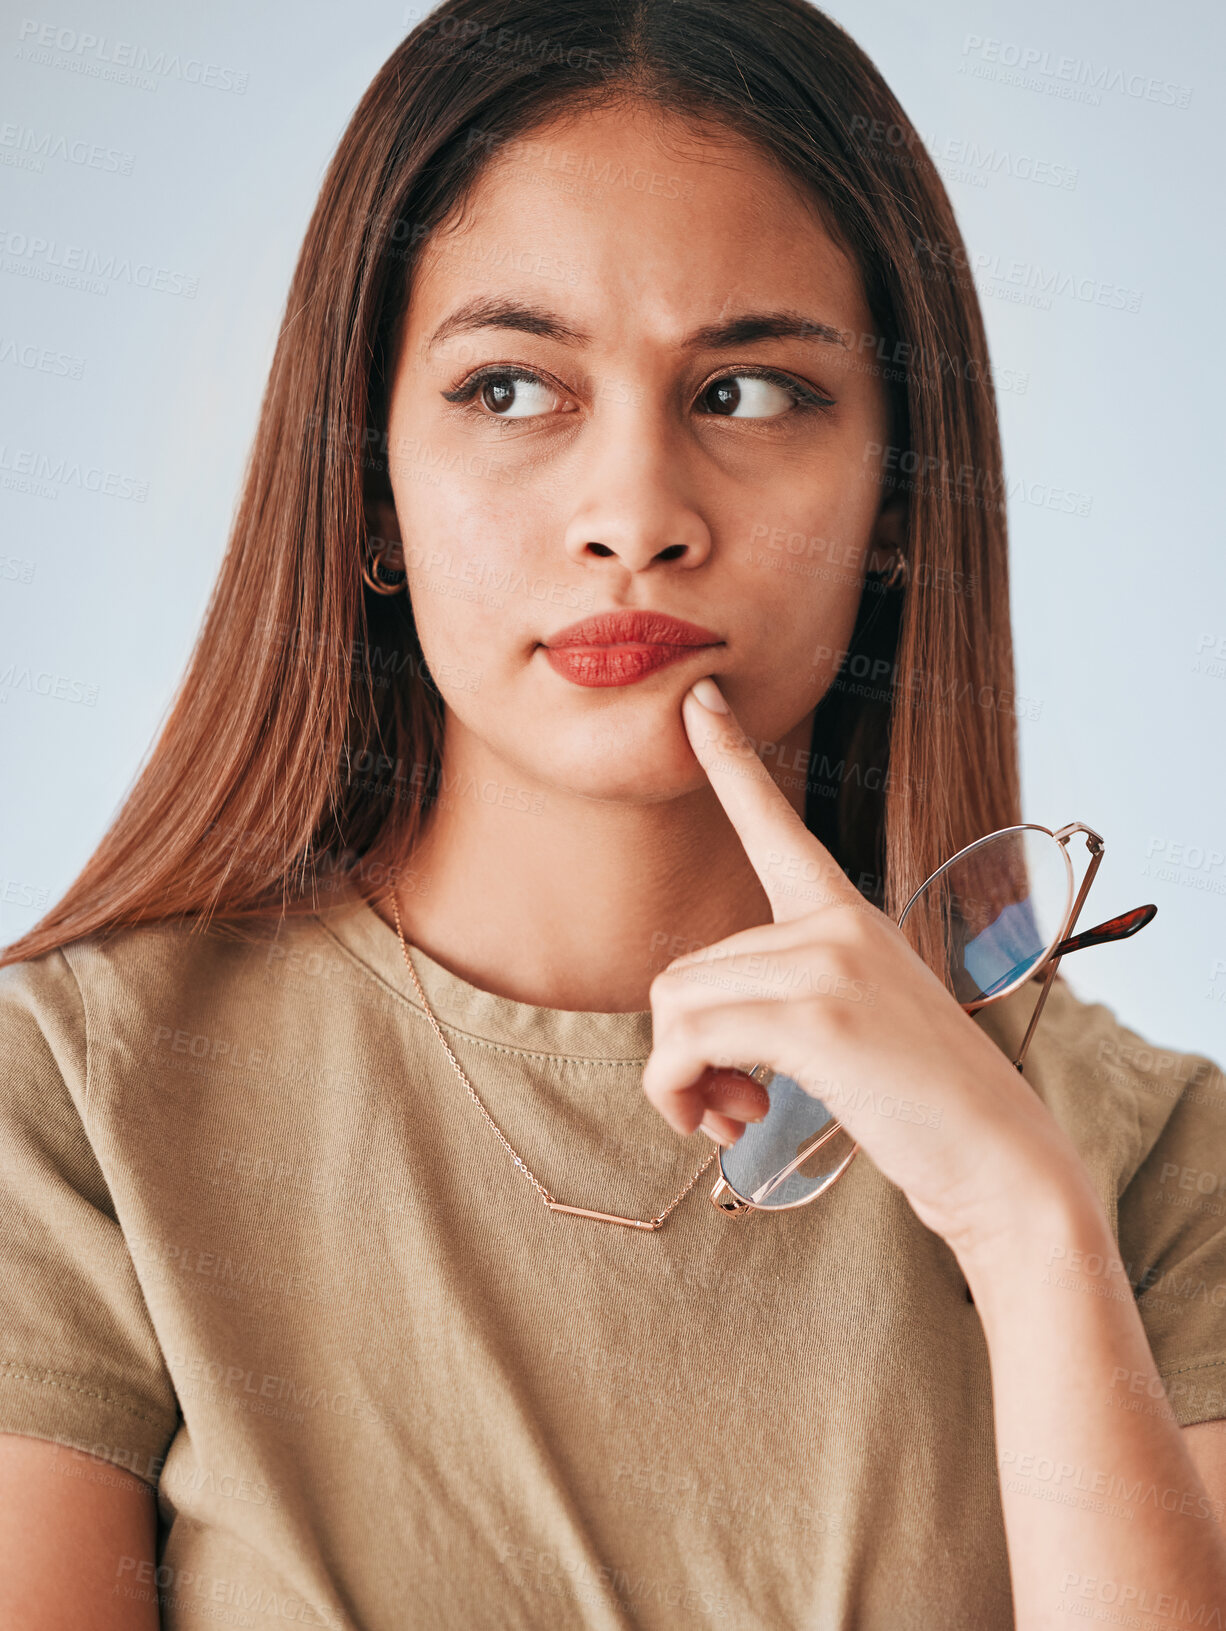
[803, 570]
[804, 601]
[458, 617]
[473, 586]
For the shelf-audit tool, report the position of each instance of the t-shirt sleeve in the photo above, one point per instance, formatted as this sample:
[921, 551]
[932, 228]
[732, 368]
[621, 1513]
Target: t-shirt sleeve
[80, 1362]
[1172, 1223]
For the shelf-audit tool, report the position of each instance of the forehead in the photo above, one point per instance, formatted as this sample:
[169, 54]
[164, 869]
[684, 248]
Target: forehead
[632, 218]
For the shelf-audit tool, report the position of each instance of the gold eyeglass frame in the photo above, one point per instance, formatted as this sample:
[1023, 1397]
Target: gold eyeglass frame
[727, 1199]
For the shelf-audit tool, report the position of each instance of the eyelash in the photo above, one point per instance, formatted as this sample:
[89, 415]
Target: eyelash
[806, 399]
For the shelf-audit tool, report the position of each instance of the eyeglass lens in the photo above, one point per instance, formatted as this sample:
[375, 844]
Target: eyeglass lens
[987, 920]
[766, 1148]
[983, 923]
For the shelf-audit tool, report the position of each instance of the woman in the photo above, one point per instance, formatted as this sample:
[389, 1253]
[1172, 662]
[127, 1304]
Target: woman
[432, 906]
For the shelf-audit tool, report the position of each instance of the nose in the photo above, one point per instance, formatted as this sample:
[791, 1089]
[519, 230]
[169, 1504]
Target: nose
[635, 500]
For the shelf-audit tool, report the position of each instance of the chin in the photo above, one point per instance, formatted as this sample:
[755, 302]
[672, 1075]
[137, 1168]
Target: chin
[623, 765]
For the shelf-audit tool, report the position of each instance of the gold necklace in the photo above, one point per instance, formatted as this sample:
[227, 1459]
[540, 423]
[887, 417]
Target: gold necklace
[550, 1202]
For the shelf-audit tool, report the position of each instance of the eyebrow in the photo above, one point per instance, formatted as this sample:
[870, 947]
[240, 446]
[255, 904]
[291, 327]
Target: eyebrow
[485, 311]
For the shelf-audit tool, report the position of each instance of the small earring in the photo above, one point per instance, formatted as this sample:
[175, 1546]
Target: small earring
[372, 560]
[895, 574]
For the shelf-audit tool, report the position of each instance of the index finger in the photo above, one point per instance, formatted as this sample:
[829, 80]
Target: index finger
[794, 867]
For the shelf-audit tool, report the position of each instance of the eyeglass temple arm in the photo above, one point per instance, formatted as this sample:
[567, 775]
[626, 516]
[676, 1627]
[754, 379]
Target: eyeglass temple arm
[1115, 928]
[1096, 847]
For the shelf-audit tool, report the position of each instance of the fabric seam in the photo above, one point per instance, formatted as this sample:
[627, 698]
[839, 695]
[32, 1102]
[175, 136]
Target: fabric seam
[84, 1024]
[471, 1036]
[1182, 1370]
[48, 1378]
[108, 1398]
[1136, 1128]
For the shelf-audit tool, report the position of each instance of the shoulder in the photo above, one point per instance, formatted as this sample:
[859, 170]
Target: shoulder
[103, 1003]
[41, 1007]
[1119, 1094]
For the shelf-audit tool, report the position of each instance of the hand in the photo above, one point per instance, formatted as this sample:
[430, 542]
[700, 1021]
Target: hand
[831, 994]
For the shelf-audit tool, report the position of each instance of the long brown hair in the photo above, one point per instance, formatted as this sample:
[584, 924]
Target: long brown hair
[304, 743]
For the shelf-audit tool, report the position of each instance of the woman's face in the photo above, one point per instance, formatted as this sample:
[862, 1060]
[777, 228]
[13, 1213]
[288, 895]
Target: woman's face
[592, 434]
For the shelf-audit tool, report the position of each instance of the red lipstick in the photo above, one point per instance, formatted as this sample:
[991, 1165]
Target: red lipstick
[618, 648]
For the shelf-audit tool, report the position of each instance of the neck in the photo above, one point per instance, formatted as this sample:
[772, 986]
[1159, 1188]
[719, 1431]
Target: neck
[574, 902]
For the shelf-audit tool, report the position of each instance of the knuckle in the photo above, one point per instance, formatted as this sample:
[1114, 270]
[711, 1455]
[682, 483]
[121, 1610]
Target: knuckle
[663, 987]
[812, 1013]
[839, 1020]
[685, 1028]
[853, 919]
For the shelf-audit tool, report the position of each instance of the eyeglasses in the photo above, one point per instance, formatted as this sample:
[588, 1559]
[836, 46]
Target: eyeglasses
[996, 914]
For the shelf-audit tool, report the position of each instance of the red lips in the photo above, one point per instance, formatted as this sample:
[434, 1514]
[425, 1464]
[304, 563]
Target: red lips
[617, 648]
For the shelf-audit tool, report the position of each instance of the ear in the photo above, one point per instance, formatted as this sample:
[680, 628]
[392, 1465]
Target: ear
[382, 523]
[889, 532]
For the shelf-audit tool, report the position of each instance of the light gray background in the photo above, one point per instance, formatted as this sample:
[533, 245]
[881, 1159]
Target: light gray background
[1120, 613]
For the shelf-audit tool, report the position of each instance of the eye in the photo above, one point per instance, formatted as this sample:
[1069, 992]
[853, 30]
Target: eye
[519, 393]
[505, 393]
[766, 394]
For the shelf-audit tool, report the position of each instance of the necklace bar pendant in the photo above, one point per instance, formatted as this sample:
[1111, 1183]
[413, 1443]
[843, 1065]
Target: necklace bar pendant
[602, 1217]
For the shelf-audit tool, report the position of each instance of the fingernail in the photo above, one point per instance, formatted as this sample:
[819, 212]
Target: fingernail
[708, 694]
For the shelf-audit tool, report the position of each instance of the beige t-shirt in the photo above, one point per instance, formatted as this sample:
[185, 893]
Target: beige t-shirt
[258, 1246]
